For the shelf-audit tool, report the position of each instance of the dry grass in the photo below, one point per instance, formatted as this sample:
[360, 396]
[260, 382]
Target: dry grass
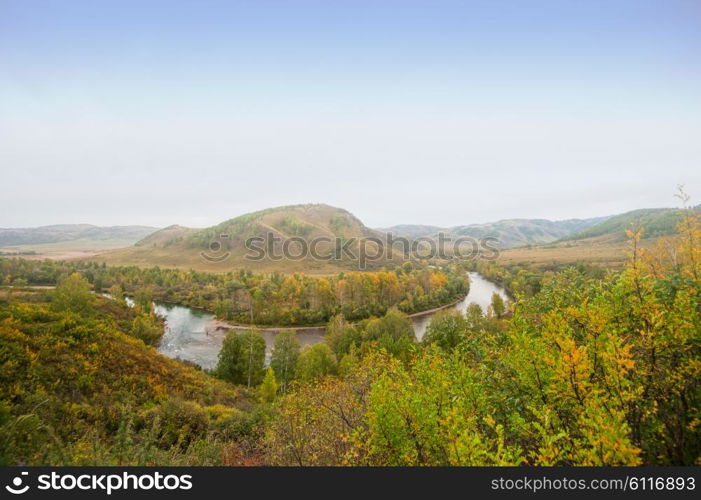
[609, 251]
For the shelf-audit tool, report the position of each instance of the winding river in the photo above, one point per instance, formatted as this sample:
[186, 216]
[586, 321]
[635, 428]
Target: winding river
[196, 336]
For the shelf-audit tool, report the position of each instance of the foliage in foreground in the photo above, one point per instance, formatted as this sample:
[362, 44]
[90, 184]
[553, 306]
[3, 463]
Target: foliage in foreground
[75, 389]
[586, 372]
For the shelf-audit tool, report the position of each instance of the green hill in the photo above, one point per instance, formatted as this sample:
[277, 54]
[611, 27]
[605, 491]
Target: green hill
[223, 247]
[510, 232]
[72, 232]
[654, 222]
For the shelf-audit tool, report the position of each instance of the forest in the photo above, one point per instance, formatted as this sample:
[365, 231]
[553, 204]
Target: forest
[584, 367]
[261, 299]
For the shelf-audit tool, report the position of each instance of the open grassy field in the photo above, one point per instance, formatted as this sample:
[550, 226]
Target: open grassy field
[73, 249]
[609, 251]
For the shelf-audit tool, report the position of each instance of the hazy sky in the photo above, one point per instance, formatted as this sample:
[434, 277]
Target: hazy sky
[432, 112]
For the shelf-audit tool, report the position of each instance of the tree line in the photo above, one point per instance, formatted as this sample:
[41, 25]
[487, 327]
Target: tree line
[261, 299]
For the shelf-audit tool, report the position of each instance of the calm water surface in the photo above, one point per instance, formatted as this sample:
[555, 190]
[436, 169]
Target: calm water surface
[481, 291]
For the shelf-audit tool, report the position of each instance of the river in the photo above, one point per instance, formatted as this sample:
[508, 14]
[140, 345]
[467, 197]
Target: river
[197, 337]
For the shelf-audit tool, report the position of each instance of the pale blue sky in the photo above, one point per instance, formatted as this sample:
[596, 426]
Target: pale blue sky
[431, 112]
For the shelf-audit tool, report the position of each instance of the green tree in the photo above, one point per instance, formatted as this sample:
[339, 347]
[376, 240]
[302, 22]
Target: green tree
[348, 362]
[97, 284]
[316, 361]
[242, 357]
[143, 298]
[498, 306]
[117, 293]
[341, 336]
[73, 294]
[145, 327]
[474, 315]
[446, 330]
[393, 332]
[269, 387]
[284, 357]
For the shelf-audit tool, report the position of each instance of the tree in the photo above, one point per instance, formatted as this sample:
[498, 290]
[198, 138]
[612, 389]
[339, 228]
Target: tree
[242, 357]
[315, 423]
[474, 315]
[315, 361]
[143, 298]
[269, 387]
[284, 357]
[348, 362]
[393, 332]
[498, 306]
[341, 336]
[117, 293]
[446, 330]
[73, 294]
[144, 327]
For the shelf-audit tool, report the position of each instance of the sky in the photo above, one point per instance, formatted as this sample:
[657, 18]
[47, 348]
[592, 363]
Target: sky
[422, 112]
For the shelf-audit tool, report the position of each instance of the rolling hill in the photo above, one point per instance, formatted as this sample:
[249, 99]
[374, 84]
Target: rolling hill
[223, 248]
[654, 222]
[510, 232]
[71, 232]
[411, 230]
[65, 241]
[605, 243]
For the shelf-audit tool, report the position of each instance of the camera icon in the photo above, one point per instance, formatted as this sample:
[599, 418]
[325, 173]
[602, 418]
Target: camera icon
[16, 488]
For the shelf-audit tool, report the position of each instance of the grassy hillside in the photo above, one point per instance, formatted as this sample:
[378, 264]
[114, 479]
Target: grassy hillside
[519, 232]
[183, 248]
[77, 388]
[604, 244]
[69, 241]
[412, 230]
[653, 221]
[608, 251]
[71, 232]
[510, 233]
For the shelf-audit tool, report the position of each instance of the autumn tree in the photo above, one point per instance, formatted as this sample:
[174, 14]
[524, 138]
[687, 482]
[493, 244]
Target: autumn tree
[269, 386]
[315, 361]
[146, 328]
[497, 304]
[446, 330]
[73, 294]
[284, 357]
[143, 298]
[393, 332]
[241, 358]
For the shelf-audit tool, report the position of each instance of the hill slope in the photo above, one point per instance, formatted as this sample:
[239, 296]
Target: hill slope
[654, 222]
[605, 244]
[72, 232]
[510, 232]
[223, 247]
[77, 389]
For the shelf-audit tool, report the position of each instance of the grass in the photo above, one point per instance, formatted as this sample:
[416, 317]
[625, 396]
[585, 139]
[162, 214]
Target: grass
[609, 251]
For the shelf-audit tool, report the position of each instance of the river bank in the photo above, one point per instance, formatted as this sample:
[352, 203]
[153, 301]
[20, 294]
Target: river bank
[197, 336]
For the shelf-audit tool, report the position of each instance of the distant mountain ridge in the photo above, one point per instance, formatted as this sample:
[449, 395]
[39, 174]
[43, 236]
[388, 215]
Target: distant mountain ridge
[654, 222]
[510, 232]
[71, 232]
